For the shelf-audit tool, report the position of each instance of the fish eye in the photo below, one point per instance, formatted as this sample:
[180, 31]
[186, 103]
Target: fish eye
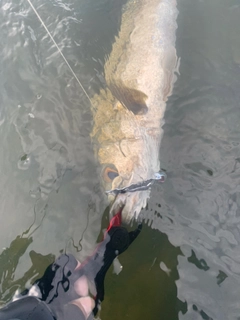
[112, 175]
[109, 174]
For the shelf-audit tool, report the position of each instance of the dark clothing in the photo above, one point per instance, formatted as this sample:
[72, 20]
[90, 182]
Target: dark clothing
[55, 290]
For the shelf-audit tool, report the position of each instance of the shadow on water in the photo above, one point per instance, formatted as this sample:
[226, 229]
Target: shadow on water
[146, 288]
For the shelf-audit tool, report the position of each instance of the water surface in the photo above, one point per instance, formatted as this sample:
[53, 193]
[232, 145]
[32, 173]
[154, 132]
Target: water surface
[186, 262]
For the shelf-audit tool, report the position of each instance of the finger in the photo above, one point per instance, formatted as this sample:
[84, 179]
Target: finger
[72, 312]
[86, 304]
[78, 265]
[81, 286]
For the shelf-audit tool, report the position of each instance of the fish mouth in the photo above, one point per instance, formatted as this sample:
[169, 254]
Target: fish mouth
[130, 203]
[117, 203]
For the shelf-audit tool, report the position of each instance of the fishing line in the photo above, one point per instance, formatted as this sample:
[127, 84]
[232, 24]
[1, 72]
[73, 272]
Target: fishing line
[59, 50]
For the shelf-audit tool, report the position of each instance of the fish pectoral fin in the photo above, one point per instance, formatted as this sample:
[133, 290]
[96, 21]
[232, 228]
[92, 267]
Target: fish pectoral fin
[170, 74]
[132, 99]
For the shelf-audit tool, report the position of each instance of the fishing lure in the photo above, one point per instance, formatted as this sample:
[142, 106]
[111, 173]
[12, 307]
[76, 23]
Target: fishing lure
[144, 185]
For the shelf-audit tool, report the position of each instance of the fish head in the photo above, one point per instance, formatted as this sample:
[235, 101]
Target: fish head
[127, 148]
[130, 203]
[124, 164]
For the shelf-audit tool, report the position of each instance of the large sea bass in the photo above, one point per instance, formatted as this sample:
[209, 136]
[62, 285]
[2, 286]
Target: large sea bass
[129, 115]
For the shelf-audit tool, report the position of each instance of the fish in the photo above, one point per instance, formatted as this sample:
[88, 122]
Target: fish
[139, 72]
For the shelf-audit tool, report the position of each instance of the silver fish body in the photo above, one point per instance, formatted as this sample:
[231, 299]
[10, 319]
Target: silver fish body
[139, 72]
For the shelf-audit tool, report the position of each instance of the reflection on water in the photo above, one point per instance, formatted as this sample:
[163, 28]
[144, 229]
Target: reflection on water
[186, 263]
[10, 258]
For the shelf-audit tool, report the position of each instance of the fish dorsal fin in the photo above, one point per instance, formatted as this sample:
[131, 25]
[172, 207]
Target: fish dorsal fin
[132, 99]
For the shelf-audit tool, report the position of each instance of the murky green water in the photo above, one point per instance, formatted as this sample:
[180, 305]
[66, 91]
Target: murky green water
[186, 262]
